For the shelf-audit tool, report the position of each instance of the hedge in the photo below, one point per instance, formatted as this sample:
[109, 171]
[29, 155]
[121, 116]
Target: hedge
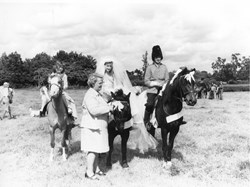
[236, 87]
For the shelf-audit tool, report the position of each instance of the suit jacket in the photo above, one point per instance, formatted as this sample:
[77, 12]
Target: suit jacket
[95, 111]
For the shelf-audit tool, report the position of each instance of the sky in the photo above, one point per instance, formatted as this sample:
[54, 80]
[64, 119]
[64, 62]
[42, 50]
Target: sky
[190, 33]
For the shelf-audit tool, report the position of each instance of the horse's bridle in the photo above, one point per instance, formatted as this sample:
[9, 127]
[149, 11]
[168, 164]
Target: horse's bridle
[58, 85]
[123, 119]
[183, 93]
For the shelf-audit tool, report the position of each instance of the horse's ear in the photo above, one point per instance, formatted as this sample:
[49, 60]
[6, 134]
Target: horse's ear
[184, 70]
[127, 96]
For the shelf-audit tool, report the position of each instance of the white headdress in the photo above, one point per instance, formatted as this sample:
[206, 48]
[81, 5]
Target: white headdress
[120, 74]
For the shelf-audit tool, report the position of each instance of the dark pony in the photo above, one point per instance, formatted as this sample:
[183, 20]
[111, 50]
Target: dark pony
[58, 115]
[180, 87]
[116, 126]
[202, 90]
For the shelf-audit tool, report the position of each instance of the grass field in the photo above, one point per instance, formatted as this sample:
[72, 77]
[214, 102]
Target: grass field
[212, 149]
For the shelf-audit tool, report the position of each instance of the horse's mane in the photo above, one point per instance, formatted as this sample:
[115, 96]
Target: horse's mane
[189, 75]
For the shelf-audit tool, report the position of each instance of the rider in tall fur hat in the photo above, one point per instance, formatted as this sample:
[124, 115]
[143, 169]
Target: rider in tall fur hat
[156, 76]
[156, 52]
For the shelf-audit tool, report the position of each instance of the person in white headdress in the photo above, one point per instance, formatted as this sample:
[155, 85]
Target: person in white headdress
[114, 78]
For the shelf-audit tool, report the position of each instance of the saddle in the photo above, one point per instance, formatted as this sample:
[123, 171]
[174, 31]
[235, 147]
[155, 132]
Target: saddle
[45, 111]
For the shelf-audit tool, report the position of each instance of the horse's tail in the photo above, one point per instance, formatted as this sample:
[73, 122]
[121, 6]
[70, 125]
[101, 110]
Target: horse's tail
[142, 99]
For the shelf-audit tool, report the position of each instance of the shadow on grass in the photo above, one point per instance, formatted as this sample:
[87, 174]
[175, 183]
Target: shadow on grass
[131, 153]
[75, 147]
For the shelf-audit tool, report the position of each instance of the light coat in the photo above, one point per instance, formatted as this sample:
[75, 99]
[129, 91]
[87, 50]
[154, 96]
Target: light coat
[95, 111]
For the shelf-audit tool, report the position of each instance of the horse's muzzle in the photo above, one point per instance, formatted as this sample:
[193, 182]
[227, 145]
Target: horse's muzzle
[54, 94]
[191, 102]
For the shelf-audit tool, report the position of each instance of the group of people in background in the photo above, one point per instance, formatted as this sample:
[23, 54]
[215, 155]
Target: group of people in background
[216, 91]
[209, 90]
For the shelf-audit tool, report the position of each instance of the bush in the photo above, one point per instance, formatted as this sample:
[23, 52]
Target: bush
[232, 82]
[243, 81]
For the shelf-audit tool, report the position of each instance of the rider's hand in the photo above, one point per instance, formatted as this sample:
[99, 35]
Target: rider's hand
[157, 84]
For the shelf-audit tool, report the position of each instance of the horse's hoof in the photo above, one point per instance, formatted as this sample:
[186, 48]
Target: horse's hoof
[64, 158]
[125, 165]
[167, 165]
[109, 165]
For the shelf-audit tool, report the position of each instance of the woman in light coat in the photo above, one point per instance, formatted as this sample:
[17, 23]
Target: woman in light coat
[94, 135]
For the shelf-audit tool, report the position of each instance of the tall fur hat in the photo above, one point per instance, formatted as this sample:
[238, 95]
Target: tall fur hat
[156, 52]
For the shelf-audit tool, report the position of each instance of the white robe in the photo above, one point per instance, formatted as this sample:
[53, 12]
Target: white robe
[139, 137]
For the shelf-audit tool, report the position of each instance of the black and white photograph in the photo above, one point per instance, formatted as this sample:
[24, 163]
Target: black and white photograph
[124, 93]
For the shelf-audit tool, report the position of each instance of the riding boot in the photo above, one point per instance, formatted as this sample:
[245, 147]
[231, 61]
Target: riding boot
[182, 121]
[146, 120]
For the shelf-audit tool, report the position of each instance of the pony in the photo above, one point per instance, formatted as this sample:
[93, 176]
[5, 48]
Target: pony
[168, 108]
[219, 92]
[122, 114]
[58, 116]
[6, 98]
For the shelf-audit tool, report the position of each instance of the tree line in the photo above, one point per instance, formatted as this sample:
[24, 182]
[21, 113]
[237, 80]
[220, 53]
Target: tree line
[35, 71]
[234, 71]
